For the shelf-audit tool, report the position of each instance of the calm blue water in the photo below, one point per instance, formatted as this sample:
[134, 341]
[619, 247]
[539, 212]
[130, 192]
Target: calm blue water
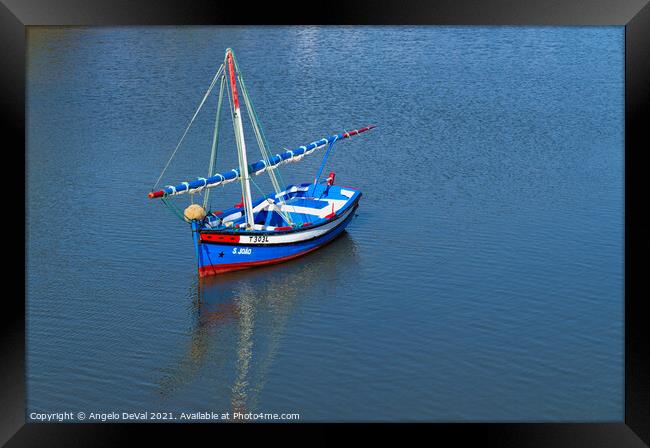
[482, 280]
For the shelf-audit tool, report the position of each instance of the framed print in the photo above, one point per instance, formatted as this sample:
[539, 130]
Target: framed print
[391, 214]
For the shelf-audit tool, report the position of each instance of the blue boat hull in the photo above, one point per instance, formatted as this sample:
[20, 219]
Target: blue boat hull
[216, 258]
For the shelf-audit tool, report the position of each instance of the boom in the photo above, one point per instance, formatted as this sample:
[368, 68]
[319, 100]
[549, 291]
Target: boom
[253, 169]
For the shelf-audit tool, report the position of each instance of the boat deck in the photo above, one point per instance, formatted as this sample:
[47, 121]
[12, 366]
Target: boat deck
[298, 206]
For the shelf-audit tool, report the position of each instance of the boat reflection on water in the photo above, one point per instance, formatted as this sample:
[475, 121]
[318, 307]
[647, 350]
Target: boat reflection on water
[239, 321]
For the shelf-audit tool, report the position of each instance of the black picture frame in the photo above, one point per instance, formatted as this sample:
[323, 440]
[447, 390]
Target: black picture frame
[15, 15]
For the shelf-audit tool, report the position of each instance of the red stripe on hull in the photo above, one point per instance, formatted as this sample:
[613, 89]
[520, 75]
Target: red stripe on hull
[219, 238]
[214, 269]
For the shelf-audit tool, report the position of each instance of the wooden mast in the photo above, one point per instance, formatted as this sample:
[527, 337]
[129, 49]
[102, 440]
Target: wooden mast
[241, 144]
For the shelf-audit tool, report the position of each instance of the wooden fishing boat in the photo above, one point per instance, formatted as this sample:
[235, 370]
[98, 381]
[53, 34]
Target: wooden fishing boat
[275, 227]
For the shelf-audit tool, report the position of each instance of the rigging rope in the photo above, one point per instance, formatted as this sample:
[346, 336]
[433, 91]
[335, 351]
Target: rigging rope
[322, 165]
[264, 151]
[261, 141]
[173, 208]
[279, 212]
[215, 138]
[259, 135]
[214, 80]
